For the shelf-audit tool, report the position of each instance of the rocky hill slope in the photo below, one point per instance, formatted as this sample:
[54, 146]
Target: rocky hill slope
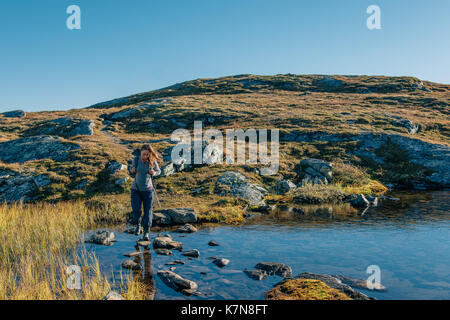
[369, 131]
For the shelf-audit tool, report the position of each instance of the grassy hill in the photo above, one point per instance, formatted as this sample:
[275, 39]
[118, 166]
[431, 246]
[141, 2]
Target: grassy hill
[375, 130]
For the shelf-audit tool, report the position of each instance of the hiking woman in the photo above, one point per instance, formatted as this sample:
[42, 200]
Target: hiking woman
[145, 166]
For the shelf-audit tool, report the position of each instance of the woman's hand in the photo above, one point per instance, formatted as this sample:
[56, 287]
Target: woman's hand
[133, 171]
[152, 172]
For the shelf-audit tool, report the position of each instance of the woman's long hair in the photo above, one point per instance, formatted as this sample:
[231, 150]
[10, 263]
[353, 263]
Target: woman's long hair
[154, 155]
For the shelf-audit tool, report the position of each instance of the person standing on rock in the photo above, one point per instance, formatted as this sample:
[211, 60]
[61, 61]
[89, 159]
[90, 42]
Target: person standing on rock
[145, 166]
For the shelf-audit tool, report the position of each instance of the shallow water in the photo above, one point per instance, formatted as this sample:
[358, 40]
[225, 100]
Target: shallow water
[407, 239]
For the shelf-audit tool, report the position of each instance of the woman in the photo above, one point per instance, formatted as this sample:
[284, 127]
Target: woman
[145, 166]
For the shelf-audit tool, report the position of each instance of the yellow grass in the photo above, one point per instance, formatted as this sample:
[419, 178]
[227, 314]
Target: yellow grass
[37, 244]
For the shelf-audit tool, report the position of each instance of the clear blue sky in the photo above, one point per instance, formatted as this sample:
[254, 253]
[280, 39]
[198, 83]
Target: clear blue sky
[130, 46]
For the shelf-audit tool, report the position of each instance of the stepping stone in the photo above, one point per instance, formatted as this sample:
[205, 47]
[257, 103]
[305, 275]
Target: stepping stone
[256, 274]
[221, 262]
[143, 243]
[187, 228]
[174, 262]
[130, 264]
[192, 253]
[132, 254]
[163, 252]
[213, 243]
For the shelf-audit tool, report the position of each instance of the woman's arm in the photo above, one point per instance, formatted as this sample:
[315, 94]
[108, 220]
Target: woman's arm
[156, 169]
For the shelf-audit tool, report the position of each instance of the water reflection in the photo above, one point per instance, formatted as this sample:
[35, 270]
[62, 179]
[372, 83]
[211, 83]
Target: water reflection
[145, 277]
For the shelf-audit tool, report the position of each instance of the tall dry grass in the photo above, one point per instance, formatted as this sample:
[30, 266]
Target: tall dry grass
[37, 244]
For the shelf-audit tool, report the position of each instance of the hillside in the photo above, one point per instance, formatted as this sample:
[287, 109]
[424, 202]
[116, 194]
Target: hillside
[374, 130]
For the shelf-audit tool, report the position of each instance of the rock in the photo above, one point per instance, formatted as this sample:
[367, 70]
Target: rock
[235, 184]
[177, 216]
[167, 170]
[14, 114]
[42, 180]
[221, 262]
[315, 171]
[162, 242]
[212, 154]
[174, 262]
[360, 202]
[213, 243]
[115, 167]
[256, 274]
[373, 201]
[176, 282]
[284, 186]
[65, 127]
[143, 243]
[194, 253]
[334, 283]
[135, 253]
[359, 283]
[274, 268]
[161, 219]
[35, 148]
[264, 209]
[405, 123]
[102, 237]
[130, 264]
[121, 182]
[163, 252]
[187, 228]
[16, 187]
[112, 295]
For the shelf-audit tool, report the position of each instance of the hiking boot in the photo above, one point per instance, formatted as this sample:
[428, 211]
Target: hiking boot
[139, 230]
[146, 237]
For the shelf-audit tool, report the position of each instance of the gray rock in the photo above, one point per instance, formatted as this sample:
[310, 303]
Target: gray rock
[315, 171]
[162, 242]
[16, 187]
[359, 283]
[102, 237]
[194, 253]
[42, 180]
[115, 167]
[335, 283]
[177, 216]
[130, 264]
[221, 262]
[121, 182]
[167, 170]
[373, 201]
[35, 148]
[256, 274]
[235, 184]
[175, 262]
[275, 268]
[360, 202]
[213, 243]
[405, 123]
[161, 219]
[14, 114]
[284, 186]
[65, 127]
[163, 252]
[112, 295]
[176, 282]
[187, 228]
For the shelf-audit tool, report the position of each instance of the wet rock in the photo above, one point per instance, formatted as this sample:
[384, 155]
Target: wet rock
[135, 253]
[194, 253]
[176, 282]
[176, 262]
[187, 228]
[35, 148]
[284, 186]
[360, 202]
[163, 252]
[256, 274]
[102, 237]
[335, 283]
[130, 264]
[14, 114]
[213, 243]
[221, 262]
[143, 243]
[359, 283]
[112, 295]
[164, 242]
[275, 268]
[235, 184]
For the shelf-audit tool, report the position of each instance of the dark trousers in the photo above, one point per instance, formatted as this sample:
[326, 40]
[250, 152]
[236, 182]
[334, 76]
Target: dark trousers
[139, 198]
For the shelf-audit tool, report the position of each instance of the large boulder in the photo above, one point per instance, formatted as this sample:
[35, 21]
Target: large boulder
[315, 171]
[176, 282]
[275, 268]
[175, 216]
[165, 242]
[284, 186]
[35, 148]
[235, 184]
[102, 237]
[16, 187]
[65, 127]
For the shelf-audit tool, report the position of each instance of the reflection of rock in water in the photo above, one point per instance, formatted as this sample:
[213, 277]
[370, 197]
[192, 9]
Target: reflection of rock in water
[147, 279]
